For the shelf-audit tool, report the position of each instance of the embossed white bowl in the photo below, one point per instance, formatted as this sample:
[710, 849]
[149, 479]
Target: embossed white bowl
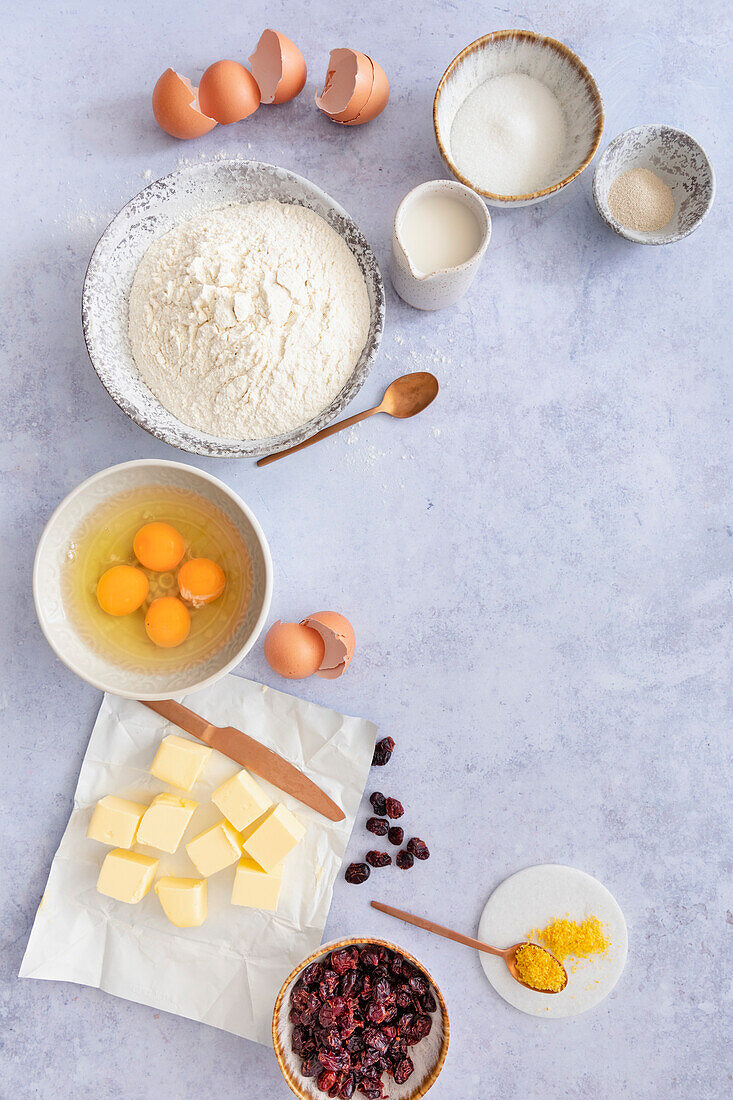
[159, 208]
[545, 59]
[77, 650]
[677, 159]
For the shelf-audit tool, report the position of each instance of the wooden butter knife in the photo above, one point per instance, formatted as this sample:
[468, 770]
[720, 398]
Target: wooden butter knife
[250, 754]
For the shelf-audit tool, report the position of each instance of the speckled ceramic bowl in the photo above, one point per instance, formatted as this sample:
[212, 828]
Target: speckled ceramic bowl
[428, 1064]
[544, 59]
[78, 648]
[677, 159]
[156, 210]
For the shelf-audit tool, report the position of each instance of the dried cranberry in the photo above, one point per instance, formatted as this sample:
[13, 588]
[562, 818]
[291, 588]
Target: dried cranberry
[377, 825]
[405, 1023]
[378, 859]
[418, 848]
[334, 1060]
[357, 872]
[326, 1080]
[418, 984]
[379, 803]
[404, 860]
[369, 956]
[309, 1067]
[345, 959]
[393, 808]
[429, 1003]
[375, 1039]
[382, 752]
[403, 1070]
[371, 1091]
[346, 1087]
[331, 1039]
[396, 835]
[312, 973]
[349, 983]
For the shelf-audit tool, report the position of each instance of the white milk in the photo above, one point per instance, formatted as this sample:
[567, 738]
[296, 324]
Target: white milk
[438, 232]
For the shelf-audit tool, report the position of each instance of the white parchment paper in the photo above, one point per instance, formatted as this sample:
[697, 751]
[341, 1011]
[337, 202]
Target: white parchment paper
[228, 972]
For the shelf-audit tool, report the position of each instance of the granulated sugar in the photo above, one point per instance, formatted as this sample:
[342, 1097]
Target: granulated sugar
[509, 135]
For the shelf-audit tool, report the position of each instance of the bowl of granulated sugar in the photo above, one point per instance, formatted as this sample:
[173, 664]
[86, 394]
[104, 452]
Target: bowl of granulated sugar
[653, 185]
[517, 117]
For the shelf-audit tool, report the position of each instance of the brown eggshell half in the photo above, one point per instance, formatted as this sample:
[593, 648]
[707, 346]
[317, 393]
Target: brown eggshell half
[293, 650]
[279, 68]
[378, 97]
[228, 92]
[339, 642]
[348, 85]
[176, 107]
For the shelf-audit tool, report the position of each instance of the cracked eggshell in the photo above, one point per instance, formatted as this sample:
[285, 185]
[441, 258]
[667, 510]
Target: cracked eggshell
[378, 97]
[176, 107]
[348, 85]
[278, 67]
[339, 642]
[228, 92]
[294, 650]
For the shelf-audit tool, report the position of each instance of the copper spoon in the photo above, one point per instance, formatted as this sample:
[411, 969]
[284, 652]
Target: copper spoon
[406, 396]
[507, 955]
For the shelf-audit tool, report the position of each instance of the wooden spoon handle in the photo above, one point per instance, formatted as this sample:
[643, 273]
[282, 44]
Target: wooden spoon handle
[323, 434]
[438, 929]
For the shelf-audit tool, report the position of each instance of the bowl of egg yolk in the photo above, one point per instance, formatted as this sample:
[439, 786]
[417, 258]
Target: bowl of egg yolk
[152, 579]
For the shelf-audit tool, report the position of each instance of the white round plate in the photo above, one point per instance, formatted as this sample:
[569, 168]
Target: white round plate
[159, 208]
[531, 899]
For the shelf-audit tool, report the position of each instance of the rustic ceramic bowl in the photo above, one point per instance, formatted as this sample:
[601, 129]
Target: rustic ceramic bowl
[677, 159]
[156, 210]
[544, 59]
[80, 650]
[415, 1088]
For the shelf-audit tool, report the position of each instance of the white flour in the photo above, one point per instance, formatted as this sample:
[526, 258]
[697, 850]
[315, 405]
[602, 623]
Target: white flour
[509, 135]
[247, 320]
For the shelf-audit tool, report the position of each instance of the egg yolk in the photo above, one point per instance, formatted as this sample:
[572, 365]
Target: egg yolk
[167, 622]
[158, 546]
[200, 581]
[122, 589]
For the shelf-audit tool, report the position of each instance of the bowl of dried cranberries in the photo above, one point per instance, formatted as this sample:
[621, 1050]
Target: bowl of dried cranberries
[360, 1018]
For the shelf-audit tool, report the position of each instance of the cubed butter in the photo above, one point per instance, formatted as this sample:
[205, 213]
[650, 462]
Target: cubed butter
[241, 800]
[164, 822]
[269, 839]
[179, 762]
[183, 900]
[214, 849]
[115, 821]
[126, 876]
[254, 887]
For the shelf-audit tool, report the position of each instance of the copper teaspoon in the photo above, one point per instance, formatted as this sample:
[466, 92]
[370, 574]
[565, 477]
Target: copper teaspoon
[508, 955]
[406, 396]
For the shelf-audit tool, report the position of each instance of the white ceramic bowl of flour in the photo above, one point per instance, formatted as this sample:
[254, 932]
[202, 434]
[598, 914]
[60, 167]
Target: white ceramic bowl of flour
[158, 210]
[548, 117]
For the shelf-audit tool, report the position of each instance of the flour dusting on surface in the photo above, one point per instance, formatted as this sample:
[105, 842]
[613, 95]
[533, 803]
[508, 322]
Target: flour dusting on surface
[247, 320]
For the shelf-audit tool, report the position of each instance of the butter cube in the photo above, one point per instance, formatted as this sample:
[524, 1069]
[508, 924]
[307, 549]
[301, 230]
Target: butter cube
[115, 821]
[254, 887]
[214, 849]
[126, 876]
[241, 800]
[183, 900]
[269, 839]
[179, 762]
[165, 821]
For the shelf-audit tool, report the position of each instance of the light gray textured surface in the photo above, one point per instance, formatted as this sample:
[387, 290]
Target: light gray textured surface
[538, 569]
